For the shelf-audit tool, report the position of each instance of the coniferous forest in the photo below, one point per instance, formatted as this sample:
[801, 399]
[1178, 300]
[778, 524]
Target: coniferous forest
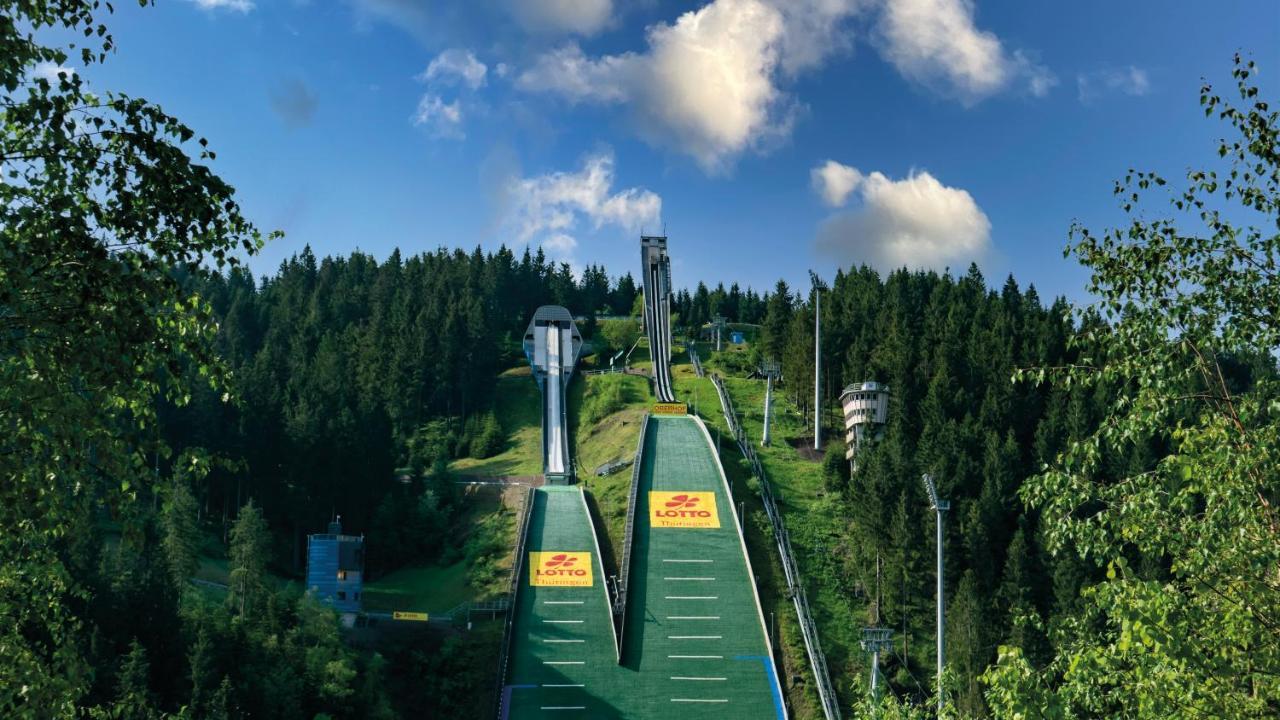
[1113, 540]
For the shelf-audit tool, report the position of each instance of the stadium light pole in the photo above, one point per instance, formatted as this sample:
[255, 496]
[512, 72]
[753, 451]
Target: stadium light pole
[817, 360]
[939, 507]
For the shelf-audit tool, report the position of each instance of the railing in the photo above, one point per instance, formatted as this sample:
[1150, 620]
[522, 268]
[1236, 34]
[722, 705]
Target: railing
[795, 586]
[624, 572]
[697, 364]
[517, 562]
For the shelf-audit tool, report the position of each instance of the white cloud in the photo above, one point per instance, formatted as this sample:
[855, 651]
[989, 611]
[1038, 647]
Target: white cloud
[242, 6]
[546, 208]
[560, 245]
[813, 30]
[49, 71]
[704, 86]
[568, 72]
[579, 17]
[441, 119]
[455, 65]
[916, 222]
[834, 182]
[932, 41]
[1130, 80]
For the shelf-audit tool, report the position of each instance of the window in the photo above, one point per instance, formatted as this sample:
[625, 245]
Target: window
[342, 574]
[357, 596]
[342, 595]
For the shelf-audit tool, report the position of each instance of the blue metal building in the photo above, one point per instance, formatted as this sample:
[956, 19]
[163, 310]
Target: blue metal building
[335, 568]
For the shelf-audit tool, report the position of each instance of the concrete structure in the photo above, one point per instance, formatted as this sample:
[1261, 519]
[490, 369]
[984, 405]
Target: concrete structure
[335, 568]
[866, 410]
[656, 267]
[552, 343]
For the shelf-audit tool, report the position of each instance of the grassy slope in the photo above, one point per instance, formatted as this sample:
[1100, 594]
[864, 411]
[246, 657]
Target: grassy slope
[489, 522]
[519, 409]
[432, 588]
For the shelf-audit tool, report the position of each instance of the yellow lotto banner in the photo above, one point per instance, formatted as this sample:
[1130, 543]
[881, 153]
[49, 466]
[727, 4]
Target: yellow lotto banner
[420, 617]
[683, 510]
[670, 409]
[560, 569]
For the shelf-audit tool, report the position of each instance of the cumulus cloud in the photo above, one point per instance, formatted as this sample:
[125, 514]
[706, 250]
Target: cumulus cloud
[456, 65]
[936, 42]
[834, 182]
[294, 102]
[1132, 81]
[439, 118]
[579, 17]
[814, 30]
[704, 86]
[241, 6]
[547, 208]
[915, 222]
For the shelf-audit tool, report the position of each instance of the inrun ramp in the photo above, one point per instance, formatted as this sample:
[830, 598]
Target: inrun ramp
[564, 654]
[657, 312]
[552, 343]
[694, 637]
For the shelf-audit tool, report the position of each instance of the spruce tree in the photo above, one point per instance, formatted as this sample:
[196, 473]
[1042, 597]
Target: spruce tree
[250, 544]
[181, 535]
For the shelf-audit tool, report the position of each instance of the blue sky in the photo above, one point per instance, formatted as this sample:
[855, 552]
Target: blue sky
[769, 136]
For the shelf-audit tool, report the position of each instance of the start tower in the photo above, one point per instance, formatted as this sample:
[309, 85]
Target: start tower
[552, 343]
[657, 311]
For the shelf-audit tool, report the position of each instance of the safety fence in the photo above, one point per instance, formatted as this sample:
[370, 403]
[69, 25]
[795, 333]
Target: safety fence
[697, 363]
[517, 563]
[624, 572]
[795, 587]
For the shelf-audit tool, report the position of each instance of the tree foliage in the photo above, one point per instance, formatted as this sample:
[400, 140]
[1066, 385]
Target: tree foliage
[1175, 492]
[103, 197]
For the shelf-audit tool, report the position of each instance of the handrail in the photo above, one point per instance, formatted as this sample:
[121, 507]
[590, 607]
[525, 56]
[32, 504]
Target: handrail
[517, 563]
[697, 363]
[624, 572]
[795, 587]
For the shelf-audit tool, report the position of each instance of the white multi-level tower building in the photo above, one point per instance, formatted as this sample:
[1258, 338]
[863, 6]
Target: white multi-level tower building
[866, 409]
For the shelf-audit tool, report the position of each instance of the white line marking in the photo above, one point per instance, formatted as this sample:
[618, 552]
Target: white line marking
[699, 578]
[693, 617]
[564, 662]
[550, 685]
[563, 707]
[695, 657]
[697, 700]
[562, 602]
[691, 597]
[677, 677]
[695, 637]
[688, 561]
[564, 622]
[562, 641]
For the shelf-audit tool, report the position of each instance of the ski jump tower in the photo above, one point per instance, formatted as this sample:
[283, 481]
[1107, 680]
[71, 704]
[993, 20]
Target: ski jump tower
[657, 311]
[552, 343]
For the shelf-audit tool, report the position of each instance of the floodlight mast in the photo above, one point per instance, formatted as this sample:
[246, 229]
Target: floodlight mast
[771, 370]
[939, 507]
[817, 360]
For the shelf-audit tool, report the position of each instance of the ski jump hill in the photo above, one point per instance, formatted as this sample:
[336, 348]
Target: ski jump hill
[681, 631]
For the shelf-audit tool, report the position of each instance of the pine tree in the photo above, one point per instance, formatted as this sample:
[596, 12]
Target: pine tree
[250, 544]
[777, 322]
[181, 535]
[134, 700]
